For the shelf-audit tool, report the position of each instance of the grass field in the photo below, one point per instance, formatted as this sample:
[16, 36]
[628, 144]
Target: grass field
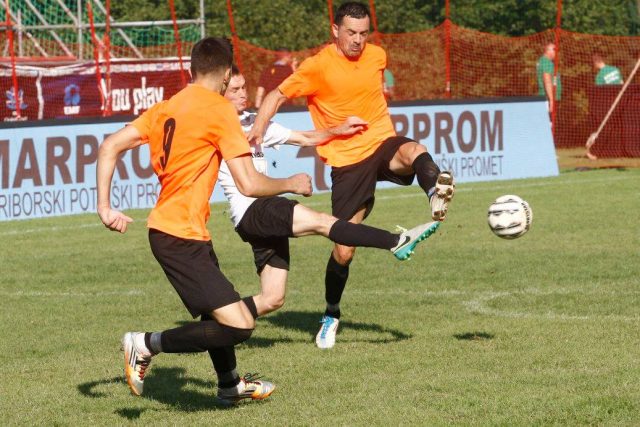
[474, 330]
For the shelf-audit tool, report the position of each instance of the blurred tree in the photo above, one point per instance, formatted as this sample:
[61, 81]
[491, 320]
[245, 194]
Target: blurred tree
[298, 24]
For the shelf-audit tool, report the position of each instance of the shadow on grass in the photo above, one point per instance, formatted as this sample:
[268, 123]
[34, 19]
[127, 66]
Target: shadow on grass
[308, 322]
[474, 336]
[169, 386]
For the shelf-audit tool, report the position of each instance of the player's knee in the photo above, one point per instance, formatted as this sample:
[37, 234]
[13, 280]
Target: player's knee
[239, 335]
[343, 254]
[274, 302]
[412, 151]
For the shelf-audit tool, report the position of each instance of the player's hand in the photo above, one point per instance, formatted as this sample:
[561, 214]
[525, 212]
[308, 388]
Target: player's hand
[301, 184]
[352, 125]
[255, 136]
[114, 220]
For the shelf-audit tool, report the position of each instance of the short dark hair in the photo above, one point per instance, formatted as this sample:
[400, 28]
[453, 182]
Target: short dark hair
[235, 71]
[211, 55]
[353, 9]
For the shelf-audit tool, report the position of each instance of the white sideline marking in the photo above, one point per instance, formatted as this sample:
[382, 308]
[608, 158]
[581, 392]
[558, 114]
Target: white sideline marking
[29, 294]
[56, 228]
[479, 305]
[48, 229]
[493, 188]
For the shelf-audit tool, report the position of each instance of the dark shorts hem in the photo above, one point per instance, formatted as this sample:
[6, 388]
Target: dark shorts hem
[267, 226]
[354, 186]
[193, 269]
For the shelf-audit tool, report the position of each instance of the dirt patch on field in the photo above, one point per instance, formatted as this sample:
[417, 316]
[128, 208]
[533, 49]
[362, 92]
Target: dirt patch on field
[575, 158]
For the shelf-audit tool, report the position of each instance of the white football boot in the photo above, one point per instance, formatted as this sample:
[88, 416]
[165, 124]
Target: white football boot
[248, 388]
[410, 238]
[135, 363]
[442, 195]
[326, 337]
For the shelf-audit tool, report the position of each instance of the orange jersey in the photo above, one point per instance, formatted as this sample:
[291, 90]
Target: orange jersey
[188, 135]
[336, 88]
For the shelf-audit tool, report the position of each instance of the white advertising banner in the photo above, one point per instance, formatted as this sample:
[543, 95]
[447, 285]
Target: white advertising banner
[49, 169]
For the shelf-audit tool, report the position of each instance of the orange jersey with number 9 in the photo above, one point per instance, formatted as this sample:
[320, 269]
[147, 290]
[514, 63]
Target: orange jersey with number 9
[188, 136]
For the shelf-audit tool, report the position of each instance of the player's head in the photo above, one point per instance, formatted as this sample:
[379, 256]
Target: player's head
[351, 28]
[212, 57]
[237, 90]
[550, 51]
[598, 60]
[284, 56]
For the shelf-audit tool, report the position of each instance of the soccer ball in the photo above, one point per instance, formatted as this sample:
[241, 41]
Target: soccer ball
[509, 217]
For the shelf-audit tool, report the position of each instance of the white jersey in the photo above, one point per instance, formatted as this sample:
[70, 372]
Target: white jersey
[274, 136]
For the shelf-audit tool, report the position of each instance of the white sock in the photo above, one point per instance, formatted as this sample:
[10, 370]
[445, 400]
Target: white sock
[141, 347]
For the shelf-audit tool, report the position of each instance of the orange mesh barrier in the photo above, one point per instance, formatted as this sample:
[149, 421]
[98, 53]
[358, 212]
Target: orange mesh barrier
[486, 65]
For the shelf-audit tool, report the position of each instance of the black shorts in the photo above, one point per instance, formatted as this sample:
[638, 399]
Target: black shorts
[267, 226]
[353, 186]
[192, 268]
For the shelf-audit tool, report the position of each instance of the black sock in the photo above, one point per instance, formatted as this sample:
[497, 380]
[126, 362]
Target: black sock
[251, 305]
[202, 336]
[334, 282]
[427, 172]
[224, 363]
[345, 233]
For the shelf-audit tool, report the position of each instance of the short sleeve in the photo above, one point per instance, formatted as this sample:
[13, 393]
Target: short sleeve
[304, 81]
[144, 122]
[547, 66]
[276, 135]
[230, 140]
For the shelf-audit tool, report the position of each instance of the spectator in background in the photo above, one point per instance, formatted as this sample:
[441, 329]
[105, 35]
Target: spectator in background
[388, 85]
[271, 77]
[545, 70]
[607, 74]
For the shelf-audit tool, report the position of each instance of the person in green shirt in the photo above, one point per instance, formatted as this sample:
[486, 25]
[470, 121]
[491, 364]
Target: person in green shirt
[388, 85]
[545, 69]
[607, 74]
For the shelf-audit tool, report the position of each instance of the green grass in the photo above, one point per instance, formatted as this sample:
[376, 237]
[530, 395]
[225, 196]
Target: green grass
[474, 330]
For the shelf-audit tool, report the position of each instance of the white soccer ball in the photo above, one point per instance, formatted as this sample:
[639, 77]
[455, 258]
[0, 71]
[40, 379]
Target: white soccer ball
[510, 217]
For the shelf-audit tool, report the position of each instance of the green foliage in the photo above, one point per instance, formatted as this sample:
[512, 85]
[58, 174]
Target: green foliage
[305, 24]
[473, 330]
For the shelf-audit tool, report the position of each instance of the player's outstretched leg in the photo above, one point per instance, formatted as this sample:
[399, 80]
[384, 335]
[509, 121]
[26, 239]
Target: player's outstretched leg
[136, 361]
[409, 239]
[249, 387]
[442, 195]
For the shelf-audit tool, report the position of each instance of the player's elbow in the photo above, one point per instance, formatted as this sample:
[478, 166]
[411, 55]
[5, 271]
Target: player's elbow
[107, 148]
[248, 187]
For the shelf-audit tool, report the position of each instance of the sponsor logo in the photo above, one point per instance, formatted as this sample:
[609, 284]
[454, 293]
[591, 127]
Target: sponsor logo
[12, 105]
[144, 97]
[11, 100]
[71, 99]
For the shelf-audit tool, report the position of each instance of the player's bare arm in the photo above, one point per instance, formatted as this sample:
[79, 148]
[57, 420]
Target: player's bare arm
[547, 80]
[268, 109]
[350, 126]
[115, 144]
[251, 183]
